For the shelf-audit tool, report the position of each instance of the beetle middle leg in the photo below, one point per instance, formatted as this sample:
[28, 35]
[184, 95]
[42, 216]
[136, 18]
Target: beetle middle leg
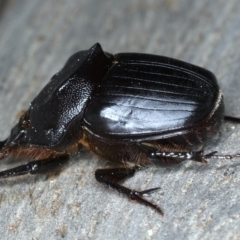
[111, 177]
[35, 167]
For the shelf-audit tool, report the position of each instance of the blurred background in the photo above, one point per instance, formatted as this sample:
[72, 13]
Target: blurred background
[199, 201]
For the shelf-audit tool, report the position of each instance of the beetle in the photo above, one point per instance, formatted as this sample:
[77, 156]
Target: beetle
[130, 109]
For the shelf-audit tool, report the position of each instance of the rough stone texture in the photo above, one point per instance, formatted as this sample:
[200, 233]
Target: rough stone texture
[199, 201]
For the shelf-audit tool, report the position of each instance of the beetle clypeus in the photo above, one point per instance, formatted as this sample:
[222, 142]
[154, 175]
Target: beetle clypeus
[131, 109]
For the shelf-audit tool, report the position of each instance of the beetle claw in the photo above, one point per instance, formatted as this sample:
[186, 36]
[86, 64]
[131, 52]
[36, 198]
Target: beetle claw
[148, 191]
[138, 196]
[209, 155]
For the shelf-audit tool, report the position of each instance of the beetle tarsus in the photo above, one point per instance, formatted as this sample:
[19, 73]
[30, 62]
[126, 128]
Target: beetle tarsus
[137, 196]
[149, 191]
[228, 157]
[111, 177]
[232, 119]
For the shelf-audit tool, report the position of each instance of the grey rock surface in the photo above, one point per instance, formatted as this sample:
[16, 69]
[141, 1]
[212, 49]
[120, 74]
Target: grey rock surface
[199, 201]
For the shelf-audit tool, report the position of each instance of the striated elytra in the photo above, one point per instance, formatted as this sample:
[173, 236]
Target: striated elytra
[132, 109]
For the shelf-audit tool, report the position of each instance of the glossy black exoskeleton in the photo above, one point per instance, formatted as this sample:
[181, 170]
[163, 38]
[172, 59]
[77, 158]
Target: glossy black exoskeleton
[131, 109]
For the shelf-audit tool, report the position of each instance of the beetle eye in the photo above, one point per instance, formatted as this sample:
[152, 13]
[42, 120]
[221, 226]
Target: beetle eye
[25, 124]
[25, 121]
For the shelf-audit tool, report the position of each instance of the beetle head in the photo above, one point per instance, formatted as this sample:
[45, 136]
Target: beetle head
[19, 143]
[40, 133]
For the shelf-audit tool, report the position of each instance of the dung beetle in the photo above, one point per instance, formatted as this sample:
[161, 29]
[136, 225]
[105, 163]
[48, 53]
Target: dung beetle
[131, 109]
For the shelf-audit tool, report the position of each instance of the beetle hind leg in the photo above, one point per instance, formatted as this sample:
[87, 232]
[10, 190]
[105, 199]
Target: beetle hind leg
[35, 167]
[162, 157]
[228, 157]
[111, 177]
[157, 156]
[174, 156]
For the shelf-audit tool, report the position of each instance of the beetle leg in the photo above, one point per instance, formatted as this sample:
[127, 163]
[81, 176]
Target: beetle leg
[157, 156]
[111, 177]
[34, 167]
[172, 157]
[232, 119]
[229, 157]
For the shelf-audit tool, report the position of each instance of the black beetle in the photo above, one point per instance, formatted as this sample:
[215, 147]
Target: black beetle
[131, 109]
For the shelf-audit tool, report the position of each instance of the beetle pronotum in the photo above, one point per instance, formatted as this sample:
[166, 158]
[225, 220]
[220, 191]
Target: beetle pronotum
[129, 108]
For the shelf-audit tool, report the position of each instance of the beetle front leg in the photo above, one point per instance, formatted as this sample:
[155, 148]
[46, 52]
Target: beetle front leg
[111, 177]
[35, 167]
